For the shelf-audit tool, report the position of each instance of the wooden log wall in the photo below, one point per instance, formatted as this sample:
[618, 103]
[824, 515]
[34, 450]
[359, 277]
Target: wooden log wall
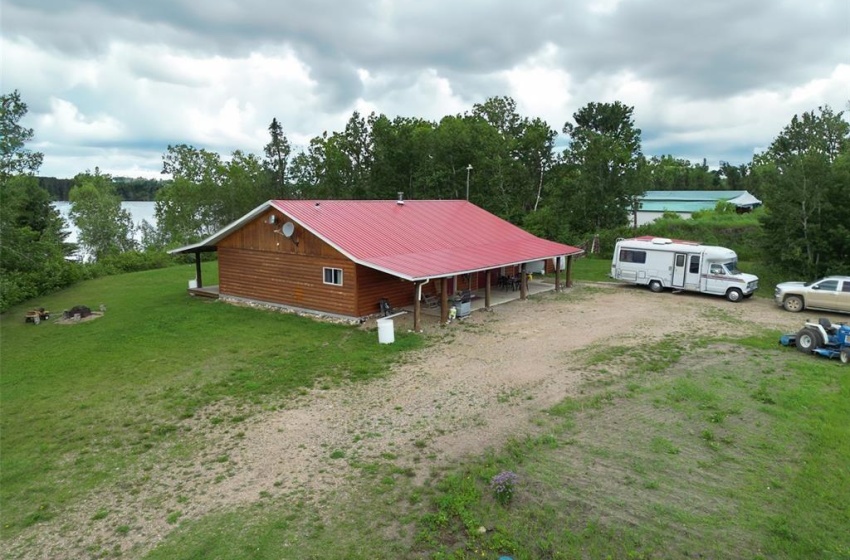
[294, 280]
[373, 285]
[259, 262]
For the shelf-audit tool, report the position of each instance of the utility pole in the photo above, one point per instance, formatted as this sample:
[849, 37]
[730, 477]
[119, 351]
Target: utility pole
[468, 169]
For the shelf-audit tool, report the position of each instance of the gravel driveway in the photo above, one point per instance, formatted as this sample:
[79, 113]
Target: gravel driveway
[482, 380]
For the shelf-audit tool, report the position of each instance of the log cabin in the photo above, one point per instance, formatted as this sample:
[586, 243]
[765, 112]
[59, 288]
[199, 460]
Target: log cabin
[343, 258]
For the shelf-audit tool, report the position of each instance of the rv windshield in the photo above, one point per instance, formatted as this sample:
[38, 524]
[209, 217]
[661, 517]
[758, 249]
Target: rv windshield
[732, 267]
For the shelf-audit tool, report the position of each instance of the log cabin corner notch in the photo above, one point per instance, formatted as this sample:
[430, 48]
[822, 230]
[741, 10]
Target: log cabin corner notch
[341, 257]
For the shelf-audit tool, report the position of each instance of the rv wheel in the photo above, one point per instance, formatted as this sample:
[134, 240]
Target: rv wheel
[656, 286]
[735, 295]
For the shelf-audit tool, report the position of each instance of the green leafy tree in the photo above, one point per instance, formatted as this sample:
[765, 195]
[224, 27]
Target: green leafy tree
[307, 171]
[15, 158]
[105, 228]
[731, 177]
[246, 185]
[667, 173]
[206, 193]
[33, 250]
[395, 156]
[186, 208]
[805, 178]
[32, 236]
[518, 156]
[603, 158]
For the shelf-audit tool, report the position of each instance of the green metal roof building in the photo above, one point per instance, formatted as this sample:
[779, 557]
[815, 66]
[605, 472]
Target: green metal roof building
[654, 203]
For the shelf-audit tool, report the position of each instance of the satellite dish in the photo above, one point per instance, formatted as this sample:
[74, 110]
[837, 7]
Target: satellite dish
[288, 229]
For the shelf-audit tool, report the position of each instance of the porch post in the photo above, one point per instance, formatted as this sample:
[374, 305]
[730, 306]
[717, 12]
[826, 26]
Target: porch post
[417, 306]
[488, 277]
[523, 282]
[198, 269]
[557, 274]
[569, 279]
[444, 300]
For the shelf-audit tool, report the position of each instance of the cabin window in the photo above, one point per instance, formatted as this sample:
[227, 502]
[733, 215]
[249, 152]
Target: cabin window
[627, 255]
[333, 276]
[694, 267]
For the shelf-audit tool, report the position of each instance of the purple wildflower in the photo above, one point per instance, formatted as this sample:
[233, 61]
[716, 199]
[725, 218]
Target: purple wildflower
[503, 486]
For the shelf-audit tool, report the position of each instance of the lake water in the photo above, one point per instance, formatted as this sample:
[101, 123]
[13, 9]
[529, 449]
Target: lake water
[140, 210]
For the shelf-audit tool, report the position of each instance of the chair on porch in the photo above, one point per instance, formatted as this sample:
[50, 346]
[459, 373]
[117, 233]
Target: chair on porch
[430, 300]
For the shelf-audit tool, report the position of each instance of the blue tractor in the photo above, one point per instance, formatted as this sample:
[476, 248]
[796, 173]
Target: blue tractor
[824, 338]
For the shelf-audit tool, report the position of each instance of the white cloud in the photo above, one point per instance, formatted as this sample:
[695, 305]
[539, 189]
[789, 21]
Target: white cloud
[541, 88]
[66, 121]
[104, 79]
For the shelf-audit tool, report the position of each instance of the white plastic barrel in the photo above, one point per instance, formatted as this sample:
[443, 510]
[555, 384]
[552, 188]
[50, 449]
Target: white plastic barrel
[386, 332]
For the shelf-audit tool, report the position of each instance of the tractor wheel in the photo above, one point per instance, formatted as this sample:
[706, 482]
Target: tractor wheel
[656, 286]
[735, 295]
[807, 340]
[794, 304]
[844, 356]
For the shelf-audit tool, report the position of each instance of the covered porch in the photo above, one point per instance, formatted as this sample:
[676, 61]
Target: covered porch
[498, 296]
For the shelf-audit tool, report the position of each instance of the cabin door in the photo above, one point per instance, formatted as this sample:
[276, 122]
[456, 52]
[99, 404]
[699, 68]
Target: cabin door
[679, 270]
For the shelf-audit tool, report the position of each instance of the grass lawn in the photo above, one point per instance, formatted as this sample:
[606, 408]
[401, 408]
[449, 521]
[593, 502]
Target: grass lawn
[683, 448]
[592, 269]
[716, 450]
[83, 402]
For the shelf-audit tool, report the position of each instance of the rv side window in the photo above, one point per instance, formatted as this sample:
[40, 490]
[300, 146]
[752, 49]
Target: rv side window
[694, 268]
[717, 269]
[680, 260]
[627, 255]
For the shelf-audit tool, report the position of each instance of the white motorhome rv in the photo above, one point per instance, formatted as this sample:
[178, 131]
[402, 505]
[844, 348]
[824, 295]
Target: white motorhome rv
[681, 265]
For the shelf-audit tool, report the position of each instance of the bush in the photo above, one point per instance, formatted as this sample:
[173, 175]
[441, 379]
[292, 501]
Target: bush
[503, 485]
[136, 261]
[18, 286]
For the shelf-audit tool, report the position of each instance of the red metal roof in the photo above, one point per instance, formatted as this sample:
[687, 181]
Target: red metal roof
[420, 238]
[415, 240]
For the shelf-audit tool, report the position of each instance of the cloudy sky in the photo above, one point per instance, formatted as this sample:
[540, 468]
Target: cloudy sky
[111, 83]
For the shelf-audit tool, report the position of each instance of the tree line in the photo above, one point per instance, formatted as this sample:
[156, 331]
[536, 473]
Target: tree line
[507, 163]
[127, 188]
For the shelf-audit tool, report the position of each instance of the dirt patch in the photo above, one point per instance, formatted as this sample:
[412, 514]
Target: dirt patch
[485, 379]
[74, 321]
